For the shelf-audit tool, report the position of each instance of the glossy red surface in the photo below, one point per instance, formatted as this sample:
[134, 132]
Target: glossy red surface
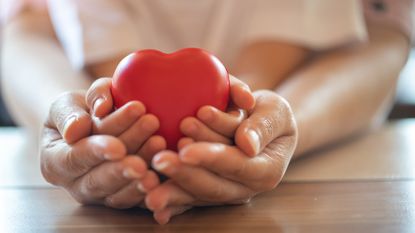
[171, 86]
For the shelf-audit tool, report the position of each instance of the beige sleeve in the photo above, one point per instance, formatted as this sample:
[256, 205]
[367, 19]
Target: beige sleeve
[317, 24]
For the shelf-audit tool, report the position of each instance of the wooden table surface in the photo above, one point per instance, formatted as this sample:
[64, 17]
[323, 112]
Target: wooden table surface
[366, 184]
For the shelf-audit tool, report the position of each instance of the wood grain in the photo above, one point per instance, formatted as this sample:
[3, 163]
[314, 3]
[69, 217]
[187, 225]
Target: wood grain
[371, 206]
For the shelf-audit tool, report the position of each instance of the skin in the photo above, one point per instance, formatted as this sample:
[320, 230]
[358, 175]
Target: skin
[265, 140]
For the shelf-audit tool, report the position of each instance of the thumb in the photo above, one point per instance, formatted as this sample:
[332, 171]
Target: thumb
[270, 119]
[69, 115]
[241, 94]
[99, 98]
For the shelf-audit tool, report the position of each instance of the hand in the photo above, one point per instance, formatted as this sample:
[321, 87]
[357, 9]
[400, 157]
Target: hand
[213, 125]
[130, 123]
[216, 174]
[93, 169]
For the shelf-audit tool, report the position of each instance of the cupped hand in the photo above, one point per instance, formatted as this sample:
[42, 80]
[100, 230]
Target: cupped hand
[93, 169]
[215, 174]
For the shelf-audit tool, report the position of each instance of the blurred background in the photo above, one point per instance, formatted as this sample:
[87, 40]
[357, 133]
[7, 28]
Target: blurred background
[404, 105]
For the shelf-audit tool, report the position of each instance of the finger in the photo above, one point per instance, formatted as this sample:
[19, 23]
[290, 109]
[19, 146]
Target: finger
[99, 98]
[69, 115]
[270, 118]
[62, 163]
[120, 120]
[134, 193]
[166, 194]
[259, 172]
[135, 136]
[164, 216]
[184, 142]
[148, 182]
[199, 182]
[108, 178]
[152, 146]
[241, 94]
[221, 122]
[191, 127]
[128, 197]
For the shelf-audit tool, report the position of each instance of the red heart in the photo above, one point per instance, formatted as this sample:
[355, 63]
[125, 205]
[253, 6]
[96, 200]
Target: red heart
[171, 86]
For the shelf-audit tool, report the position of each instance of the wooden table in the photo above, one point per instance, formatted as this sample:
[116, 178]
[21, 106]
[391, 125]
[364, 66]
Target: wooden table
[366, 184]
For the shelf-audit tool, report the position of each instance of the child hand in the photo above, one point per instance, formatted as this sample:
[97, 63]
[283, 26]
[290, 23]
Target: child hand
[93, 169]
[213, 125]
[130, 123]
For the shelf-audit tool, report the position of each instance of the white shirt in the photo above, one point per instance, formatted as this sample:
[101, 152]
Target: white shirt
[95, 30]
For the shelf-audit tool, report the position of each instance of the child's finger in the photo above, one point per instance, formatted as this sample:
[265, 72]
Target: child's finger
[168, 193]
[164, 216]
[241, 94]
[152, 146]
[195, 129]
[120, 120]
[184, 142]
[149, 182]
[221, 122]
[99, 98]
[136, 135]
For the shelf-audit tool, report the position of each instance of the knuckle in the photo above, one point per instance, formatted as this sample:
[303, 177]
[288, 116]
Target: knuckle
[48, 172]
[239, 171]
[268, 124]
[216, 194]
[71, 165]
[90, 187]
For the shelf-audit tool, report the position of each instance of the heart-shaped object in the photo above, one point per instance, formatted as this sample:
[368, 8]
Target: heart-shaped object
[171, 86]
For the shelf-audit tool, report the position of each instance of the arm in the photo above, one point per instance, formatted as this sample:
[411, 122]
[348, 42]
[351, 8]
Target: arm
[35, 69]
[350, 89]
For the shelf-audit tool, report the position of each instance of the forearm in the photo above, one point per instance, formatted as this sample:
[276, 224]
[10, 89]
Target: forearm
[34, 69]
[347, 91]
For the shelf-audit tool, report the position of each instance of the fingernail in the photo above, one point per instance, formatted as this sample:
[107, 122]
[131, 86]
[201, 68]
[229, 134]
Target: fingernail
[141, 188]
[131, 174]
[97, 103]
[161, 165]
[69, 122]
[253, 139]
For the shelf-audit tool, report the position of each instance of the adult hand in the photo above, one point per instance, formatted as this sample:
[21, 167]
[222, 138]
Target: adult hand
[93, 169]
[215, 174]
